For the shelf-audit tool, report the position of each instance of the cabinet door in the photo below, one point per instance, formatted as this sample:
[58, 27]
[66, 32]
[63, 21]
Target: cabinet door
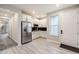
[68, 27]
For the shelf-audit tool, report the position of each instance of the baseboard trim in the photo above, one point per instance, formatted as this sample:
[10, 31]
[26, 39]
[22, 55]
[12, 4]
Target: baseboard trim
[12, 40]
[26, 42]
[39, 37]
[70, 48]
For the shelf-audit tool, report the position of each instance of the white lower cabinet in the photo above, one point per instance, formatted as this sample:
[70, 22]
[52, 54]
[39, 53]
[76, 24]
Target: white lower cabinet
[37, 34]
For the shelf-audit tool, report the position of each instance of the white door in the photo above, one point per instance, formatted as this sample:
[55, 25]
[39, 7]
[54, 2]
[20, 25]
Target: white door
[69, 28]
[78, 27]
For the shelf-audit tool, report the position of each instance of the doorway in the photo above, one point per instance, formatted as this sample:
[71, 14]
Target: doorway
[5, 41]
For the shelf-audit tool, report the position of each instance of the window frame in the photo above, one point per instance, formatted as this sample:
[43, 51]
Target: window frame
[52, 25]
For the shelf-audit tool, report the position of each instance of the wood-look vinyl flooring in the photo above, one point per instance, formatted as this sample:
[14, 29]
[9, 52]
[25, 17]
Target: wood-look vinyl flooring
[38, 46]
[6, 42]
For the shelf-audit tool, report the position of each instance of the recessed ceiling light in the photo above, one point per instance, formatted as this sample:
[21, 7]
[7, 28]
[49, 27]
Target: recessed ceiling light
[33, 12]
[57, 5]
[5, 14]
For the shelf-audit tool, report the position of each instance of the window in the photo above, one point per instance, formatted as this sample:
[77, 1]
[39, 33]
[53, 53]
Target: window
[54, 25]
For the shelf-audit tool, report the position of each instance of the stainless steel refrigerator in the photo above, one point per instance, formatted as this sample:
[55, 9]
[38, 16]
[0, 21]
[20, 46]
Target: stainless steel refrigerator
[26, 32]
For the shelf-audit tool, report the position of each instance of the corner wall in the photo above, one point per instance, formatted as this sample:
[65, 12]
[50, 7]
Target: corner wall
[15, 24]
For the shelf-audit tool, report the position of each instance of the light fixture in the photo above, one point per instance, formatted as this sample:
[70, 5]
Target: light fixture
[57, 5]
[33, 12]
[5, 15]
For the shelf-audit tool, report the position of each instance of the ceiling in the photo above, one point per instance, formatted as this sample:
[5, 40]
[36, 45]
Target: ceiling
[40, 10]
[5, 15]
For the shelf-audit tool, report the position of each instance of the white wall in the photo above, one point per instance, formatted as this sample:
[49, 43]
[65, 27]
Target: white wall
[13, 28]
[15, 25]
[58, 13]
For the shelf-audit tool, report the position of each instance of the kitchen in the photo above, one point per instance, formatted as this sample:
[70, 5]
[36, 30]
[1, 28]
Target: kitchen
[43, 28]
